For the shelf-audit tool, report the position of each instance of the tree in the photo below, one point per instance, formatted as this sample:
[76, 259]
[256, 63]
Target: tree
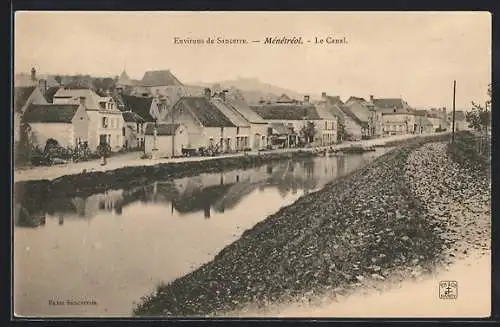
[308, 131]
[480, 117]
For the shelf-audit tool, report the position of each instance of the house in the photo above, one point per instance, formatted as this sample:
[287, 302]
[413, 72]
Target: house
[144, 110]
[105, 119]
[424, 125]
[399, 123]
[390, 104]
[207, 126]
[358, 109]
[461, 123]
[298, 115]
[281, 135]
[355, 128]
[23, 97]
[66, 123]
[242, 125]
[133, 131]
[167, 139]
[258, 126]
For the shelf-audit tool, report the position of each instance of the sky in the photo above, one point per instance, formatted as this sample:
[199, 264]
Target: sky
[414, 55]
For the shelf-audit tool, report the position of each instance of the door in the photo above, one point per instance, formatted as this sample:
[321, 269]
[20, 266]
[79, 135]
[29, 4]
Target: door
[103, 139]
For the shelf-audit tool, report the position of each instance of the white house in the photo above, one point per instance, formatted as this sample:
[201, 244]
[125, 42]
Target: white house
[207, 126]
[106, 120]
[258, 126]
[242, 125]
[398, 123]
[167, 139]
[66, 123]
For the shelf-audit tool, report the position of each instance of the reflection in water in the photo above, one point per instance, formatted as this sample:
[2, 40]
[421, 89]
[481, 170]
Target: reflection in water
[116, 246]
[203, 193]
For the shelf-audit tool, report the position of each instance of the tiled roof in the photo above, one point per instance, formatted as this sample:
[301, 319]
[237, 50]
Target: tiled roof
[138, 105]
[284, 99]
[161, 129]
[244, 109]
[230, 113]
[92, 99]
[333, 99]
[159, 78]
[389, 103]
[281, 129]
[424, 121]
[50, 113]
[132, 117]
[287, 112]
[348, 112]
[50, 92]
[21, 95]
[459, 115]
[205, 111]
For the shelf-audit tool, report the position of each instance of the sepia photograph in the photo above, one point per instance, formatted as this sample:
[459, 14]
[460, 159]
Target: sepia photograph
[251, 164]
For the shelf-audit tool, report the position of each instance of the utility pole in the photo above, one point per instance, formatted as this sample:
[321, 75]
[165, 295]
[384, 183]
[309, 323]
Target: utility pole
[453, 115]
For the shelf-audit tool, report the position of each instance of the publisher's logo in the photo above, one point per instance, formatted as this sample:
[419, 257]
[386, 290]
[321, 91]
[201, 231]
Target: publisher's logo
[448, 290]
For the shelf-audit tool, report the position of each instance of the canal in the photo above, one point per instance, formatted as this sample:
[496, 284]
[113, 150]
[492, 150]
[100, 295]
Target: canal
[112, 248]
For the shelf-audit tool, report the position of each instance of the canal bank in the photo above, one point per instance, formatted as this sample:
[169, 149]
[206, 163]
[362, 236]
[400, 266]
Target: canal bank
[362, 227]
[132, 160]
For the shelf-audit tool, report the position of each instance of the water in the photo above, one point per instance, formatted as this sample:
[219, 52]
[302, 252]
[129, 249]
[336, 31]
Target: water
[112, 248]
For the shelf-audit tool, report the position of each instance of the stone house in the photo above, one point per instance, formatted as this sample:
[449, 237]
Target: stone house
[207, 126]
[167, 139]
[105, 119]
[297, 115]
[23, 97]
[66, 123]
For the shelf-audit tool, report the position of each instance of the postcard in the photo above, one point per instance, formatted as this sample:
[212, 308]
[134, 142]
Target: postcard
[251, 164]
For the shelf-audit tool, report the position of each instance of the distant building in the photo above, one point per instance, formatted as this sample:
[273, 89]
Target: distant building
[297, 115]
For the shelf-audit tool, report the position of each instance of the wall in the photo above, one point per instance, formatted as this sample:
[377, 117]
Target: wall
[96, 128]
[132, 134]
[216, 133]
[80, 125]
[62, 132]
[164, 143]
[194, 129]
[258, 131]
[352, 128]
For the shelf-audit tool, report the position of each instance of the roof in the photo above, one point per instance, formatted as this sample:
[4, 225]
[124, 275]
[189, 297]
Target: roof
[348, 112]
[205, 111]
[161, 129]
[132, 117]
[50, 92]
[124, 79]
[284, 99]
[424, 121]
[355, 99]
[390, 103]
[244, 109]
[50, 113]
[360, 109]
[92, 99]
[281, 128]
[138, 105]
[459, 115]
[230, 113]
[289, 112]
[21, 96]
[159, 78]
[333, 99]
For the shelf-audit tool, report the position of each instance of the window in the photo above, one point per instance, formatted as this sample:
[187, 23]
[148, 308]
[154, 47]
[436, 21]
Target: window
[104, 122]
[123, 131]
[237, 130]
[326, 125]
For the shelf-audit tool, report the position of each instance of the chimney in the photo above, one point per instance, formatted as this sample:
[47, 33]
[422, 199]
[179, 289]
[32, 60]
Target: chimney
[82, 101]
[208, 93]
[323, 95]
[33, 74]
[306, 99]
[42, 85]
[371, 98]
[223, 95]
